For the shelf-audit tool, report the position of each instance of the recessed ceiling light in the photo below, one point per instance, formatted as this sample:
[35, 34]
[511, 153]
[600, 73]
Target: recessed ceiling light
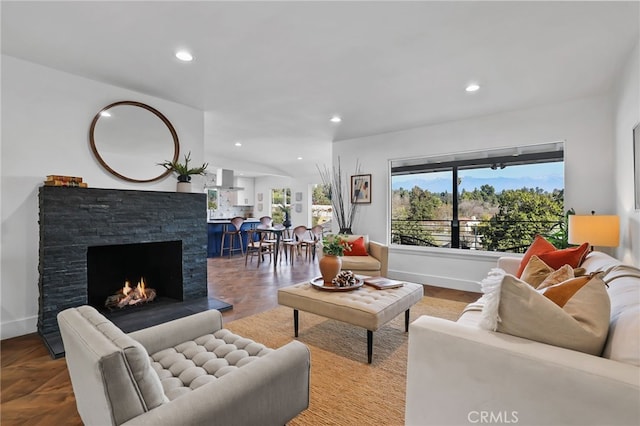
[472, 87]
[299, 158]
[237, 144]
[335, 119]
[183, 55]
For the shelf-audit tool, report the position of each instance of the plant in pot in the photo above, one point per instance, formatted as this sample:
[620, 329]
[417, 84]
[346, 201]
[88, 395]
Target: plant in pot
[344, 206]
[333, 247]
[184, 172]
[286, 211]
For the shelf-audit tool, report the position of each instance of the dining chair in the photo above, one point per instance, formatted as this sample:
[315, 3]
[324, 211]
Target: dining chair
[257, 245]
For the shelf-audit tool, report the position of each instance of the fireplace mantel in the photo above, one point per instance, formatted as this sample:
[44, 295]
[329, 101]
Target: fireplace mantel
[73, 219]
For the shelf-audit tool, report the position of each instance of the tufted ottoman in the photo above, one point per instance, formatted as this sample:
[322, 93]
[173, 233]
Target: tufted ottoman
[365, 307]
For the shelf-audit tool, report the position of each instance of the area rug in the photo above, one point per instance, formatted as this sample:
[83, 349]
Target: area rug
[345, 390]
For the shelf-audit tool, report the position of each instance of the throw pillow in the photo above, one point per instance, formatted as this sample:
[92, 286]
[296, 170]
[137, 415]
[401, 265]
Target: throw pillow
[572, 256]
[535, 272]
[537, 247]
[357, 248]
[556, 277]
[575, 317]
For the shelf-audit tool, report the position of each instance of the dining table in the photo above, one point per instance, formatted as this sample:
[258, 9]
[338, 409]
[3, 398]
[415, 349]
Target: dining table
[278, 231]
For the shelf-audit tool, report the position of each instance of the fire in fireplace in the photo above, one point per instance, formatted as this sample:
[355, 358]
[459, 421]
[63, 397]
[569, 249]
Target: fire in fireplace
[126, 275]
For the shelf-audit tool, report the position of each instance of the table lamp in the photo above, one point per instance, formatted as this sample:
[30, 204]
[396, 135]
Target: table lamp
[597, 230]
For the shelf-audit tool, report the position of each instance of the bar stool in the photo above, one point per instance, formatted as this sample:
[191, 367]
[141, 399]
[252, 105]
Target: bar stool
[233, 232]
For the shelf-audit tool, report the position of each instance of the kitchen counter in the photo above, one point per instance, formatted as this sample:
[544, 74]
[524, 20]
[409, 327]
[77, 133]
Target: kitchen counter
[216, 227]
[227, 220]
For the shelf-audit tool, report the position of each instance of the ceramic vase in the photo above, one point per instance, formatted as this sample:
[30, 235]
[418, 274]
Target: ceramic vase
[330, 266]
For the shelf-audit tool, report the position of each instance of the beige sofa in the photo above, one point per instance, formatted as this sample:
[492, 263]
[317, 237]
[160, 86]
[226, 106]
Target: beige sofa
[376, 263]
[458, 373]
[189, 371]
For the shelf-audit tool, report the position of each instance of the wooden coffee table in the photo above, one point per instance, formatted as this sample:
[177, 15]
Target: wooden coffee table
[364, 307]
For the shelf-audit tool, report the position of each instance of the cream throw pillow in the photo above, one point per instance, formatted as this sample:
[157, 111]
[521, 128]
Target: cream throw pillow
[535, 272]
[556, 277]
[573, 314]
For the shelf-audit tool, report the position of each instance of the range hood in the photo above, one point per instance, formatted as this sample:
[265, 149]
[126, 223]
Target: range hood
[226, 181]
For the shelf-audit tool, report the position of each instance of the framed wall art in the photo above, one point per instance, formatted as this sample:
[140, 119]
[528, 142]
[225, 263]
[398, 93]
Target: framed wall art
[361, 189]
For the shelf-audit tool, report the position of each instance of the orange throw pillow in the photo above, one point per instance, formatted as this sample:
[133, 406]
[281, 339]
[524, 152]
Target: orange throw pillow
[572, 256]
[537, 247]
[357, 248]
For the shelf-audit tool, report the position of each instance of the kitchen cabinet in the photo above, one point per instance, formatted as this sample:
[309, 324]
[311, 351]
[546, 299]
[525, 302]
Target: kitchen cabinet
[246, 196]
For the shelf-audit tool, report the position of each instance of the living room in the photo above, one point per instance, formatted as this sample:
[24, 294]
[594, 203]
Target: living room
[46, 114]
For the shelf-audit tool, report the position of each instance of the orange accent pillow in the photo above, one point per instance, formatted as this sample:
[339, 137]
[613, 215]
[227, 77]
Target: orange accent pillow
[537, 247]
[572, 256]
[357, 248]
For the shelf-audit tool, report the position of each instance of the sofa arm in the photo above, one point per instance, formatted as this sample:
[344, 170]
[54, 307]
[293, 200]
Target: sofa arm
[174, 332]
[380, 252]
[271, 390]
[458, 374]
[509, 264]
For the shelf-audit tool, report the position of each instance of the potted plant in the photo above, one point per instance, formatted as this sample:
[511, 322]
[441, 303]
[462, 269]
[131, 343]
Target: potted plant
[184, 172]
[286, 210]
[344, 207]
[333, 247]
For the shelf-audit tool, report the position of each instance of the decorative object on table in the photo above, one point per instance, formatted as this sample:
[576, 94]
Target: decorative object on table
[319, 284]
[345, 279]
[383, 283]
[59, 180]
[333, 247]
[361, 189]
[183, 172]
[286, 210]
[343, 207]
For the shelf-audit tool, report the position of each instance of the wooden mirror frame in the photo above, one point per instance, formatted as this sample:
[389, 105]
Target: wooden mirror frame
[94, 149]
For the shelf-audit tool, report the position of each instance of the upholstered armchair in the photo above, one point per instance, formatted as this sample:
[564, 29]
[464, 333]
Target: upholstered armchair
[366, 257]
[189, 371]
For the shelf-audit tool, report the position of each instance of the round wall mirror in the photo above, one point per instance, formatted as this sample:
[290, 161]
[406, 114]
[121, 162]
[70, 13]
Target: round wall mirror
[129, 139]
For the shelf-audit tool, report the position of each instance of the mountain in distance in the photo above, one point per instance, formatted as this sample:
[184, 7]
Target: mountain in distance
[547, 183]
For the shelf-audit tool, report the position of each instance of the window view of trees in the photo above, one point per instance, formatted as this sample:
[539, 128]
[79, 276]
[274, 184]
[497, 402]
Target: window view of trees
[281, 202]
[499, 207]
[321, 210]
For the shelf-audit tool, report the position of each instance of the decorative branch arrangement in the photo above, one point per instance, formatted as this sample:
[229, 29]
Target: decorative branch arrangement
[344, 207]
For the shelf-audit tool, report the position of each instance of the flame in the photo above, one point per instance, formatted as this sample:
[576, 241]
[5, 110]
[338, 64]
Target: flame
[127, 288]
[141, 289]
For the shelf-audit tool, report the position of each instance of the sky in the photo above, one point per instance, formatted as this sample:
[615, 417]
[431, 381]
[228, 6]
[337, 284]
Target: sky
[548, 176]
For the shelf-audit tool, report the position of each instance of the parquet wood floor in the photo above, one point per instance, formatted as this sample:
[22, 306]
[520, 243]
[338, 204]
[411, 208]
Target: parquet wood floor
[36, 390]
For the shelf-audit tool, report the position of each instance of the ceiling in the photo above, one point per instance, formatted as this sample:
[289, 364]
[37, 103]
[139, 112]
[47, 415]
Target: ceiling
[270, 74]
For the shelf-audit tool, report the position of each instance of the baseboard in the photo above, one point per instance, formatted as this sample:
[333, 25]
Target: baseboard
[436, 281]
[17, 328]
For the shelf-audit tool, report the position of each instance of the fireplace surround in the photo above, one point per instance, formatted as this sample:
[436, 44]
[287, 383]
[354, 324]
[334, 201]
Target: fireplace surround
[72, 220]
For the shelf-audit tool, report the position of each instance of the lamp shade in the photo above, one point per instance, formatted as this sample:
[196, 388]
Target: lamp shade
[597, 230]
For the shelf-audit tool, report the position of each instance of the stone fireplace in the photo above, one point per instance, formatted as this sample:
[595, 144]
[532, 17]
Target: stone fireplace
[92, 236]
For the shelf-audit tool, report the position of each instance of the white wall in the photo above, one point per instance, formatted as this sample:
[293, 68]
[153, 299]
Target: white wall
[46, 116]
[627, 116]
[585, 125]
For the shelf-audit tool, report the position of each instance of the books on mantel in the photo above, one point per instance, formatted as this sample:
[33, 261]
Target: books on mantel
[58, 180]
[382, 283]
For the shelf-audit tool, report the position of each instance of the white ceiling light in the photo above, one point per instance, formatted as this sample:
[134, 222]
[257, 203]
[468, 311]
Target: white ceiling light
[299, 158]
[335, 119]
[472, 87]
[237, 144]
[183, 55]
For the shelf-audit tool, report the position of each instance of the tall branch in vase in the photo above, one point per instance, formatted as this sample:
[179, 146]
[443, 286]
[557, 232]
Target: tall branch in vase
[341, 198]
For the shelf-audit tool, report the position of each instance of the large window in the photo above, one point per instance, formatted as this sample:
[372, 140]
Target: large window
[280, 203]
[491, 200]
